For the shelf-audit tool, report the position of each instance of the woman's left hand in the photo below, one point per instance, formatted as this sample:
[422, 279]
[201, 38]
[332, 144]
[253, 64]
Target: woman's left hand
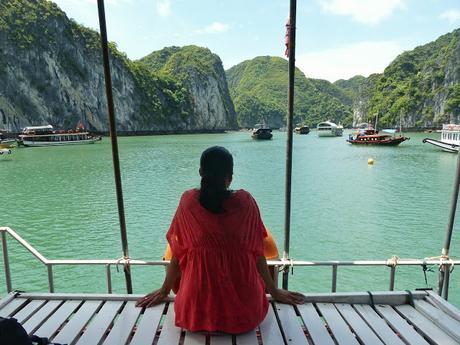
[288, 297]
[153, 298]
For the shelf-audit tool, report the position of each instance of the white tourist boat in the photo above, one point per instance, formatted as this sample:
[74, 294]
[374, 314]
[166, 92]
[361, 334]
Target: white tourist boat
[329, 129]
[47, 136]
[450, 138]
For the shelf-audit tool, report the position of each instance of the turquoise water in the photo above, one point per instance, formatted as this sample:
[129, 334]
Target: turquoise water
[62, 200]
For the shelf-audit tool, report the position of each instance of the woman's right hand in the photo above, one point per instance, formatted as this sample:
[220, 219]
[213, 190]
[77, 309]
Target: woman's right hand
[288, 297]
[153, 298]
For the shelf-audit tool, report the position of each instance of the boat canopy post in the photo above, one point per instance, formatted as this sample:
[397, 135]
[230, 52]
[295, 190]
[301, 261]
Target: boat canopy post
[113, 137]
[444, 269]
[287, 217]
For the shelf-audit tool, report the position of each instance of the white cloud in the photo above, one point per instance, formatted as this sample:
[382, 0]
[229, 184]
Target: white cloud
[362, 58]
[451, 16]
[214, 28]
[164, 8]
[362, 11]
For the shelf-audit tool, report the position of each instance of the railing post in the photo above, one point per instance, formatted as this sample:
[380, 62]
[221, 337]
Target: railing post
[392, 277]
[50, 278]
[334, 278]
[109, 278]
[6, 263]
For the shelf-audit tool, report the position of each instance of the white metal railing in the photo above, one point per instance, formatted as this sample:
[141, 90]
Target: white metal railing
[283, 264]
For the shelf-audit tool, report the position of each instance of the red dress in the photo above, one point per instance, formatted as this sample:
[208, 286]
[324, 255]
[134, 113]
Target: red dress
[220, 288]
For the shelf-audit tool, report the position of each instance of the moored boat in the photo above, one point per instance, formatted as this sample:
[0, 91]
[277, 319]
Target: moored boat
[329, 129]
[371, 136]
[47, 136]
[302, 129]
[6, 143]
[261, 131]
[450, 138]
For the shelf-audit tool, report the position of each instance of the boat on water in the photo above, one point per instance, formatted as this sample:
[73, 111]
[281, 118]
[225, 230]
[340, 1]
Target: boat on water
[4, 151]
[6, 143]
[371, 136]
[47, 136]
[329, 129]
[262, 132]
[450, 138]
[302, 130]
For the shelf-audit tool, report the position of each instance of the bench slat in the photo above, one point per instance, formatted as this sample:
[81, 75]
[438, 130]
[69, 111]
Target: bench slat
[425, 326]
[76, 324]
[442, 304]
[315, 326]
[51, 325]
[28, 310]
[249, 338]
[360, 328]
[337, 325]
[147, 327]
[406, 331]
[100, 323]
[170, 334]
[194, 339]
[221, 340]
[41, 316]
[441, 319]
[291, 324]
[269, 329]
[379, 326]
[12, 307]
[124, 324]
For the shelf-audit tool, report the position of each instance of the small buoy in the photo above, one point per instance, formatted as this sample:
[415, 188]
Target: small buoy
[370, 161]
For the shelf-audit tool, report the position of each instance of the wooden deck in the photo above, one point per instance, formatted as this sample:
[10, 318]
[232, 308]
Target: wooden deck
[341, 318]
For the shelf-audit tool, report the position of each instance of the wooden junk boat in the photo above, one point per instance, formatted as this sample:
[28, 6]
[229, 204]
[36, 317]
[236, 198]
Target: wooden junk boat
[262, 131]
[302, 129]
[371, 136]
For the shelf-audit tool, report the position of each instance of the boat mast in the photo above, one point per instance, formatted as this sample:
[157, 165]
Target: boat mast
[291, 71]
[113, 137]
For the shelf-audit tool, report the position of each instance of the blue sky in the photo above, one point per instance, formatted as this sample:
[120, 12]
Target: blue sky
[335, 38]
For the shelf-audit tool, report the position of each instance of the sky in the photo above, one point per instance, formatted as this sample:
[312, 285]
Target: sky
[336, 39]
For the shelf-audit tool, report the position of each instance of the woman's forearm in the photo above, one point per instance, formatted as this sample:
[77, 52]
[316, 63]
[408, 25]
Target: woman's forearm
[262, 268]
[172, 274]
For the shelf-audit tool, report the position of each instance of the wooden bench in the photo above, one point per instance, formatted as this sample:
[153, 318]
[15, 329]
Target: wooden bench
[342, 318]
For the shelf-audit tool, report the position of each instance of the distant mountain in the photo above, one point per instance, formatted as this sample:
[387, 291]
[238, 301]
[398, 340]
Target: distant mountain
[51, 72]
[259, 91]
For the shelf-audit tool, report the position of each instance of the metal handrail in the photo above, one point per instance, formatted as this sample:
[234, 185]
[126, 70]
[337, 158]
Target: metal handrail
[282, 263]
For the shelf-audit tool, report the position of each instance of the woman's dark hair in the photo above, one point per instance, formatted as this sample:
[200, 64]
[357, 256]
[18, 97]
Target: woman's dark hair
[216, 164]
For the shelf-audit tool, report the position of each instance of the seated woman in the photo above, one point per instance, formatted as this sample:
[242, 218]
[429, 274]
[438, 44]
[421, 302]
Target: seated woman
[216, 239]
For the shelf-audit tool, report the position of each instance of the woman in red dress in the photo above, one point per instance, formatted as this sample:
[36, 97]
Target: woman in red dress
[216, 238]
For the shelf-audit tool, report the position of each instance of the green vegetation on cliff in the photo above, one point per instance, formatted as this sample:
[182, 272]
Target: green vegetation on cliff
[259, 91]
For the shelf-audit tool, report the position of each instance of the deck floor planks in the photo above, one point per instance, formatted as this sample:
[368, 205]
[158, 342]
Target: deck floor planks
[53, 323]
[337, 325]
[290, 323]
[379, 326]
[194, 338]
[425, 326]
[12, 307]
[25, 313]
[315, 325]
[359, 326]
[248, 338]
[406, 331]
[221, 340]
[269, 329]
[98, 326]
[41, 316]
[441, 319]
[170, 334]
[76, 324]
[442, 304]
[124, 324]
[147, 327]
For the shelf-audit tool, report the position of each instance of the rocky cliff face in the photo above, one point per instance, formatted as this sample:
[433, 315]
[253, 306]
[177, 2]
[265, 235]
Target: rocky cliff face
[51, 71]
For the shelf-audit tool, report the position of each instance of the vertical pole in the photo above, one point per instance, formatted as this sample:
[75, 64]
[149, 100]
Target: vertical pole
[334, 278]
[287, 219]
[50, 278]
[113, 137]
[443, 274]
[6, 263]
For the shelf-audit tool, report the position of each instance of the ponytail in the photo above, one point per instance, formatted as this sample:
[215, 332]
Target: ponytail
[216, 165]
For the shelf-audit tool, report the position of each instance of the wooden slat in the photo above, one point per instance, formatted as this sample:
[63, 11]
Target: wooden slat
[291, 324]
[41, 316]
[221, 340]
[28, 310]
[57, 319]
[269, 329]
[124, 324]
[100, 323]
[76, 324]
[405, 331]
[379, 297]
[7, 299]
[147, 327]
[425, 326]
[315, 326]
[442, 304]
[359, 326]
[379, 326]
[12, 307]
[440, 319]
[170, 334]
[194, 339]
[248, 338]
[337, 325]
